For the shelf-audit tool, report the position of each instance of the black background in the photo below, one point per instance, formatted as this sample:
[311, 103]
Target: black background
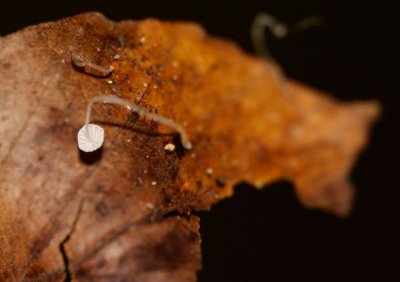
[266, 235]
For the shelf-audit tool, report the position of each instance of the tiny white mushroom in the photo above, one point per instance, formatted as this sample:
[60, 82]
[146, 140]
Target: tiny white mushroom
[90, 137]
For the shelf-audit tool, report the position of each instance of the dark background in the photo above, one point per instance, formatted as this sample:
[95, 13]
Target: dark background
[266, 235]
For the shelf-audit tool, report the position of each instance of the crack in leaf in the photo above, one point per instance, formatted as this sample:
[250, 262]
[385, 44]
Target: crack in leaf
[68, 274]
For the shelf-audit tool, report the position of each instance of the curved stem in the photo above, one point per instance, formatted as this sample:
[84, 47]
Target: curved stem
[111, 99]
[258, 38]
[277, 29]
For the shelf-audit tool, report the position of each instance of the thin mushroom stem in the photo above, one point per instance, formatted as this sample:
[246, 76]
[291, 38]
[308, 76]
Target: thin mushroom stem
[277, 29]
[111, 99]
[307, 23]
[258, 38]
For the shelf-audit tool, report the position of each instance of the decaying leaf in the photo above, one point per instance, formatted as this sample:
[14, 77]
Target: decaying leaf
[123, 213]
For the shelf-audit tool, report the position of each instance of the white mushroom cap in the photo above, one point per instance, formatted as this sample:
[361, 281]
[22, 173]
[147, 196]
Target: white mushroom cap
[90, 137]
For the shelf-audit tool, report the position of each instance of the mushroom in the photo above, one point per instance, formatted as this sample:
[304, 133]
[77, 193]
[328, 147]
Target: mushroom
[91, 136]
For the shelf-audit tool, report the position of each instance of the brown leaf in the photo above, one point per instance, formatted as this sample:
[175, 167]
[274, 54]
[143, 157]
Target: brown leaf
[123, 212]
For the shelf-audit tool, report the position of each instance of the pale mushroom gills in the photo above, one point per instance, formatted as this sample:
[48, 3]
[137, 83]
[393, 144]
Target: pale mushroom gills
[90, 137]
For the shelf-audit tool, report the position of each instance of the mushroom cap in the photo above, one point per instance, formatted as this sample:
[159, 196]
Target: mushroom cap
[90, 137]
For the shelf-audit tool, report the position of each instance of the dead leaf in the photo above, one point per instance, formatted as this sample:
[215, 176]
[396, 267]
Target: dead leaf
[126, 215]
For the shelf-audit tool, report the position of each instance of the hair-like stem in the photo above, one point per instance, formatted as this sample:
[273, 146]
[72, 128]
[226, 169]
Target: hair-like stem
[277, 29]
[111, 99]
[258, 38]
